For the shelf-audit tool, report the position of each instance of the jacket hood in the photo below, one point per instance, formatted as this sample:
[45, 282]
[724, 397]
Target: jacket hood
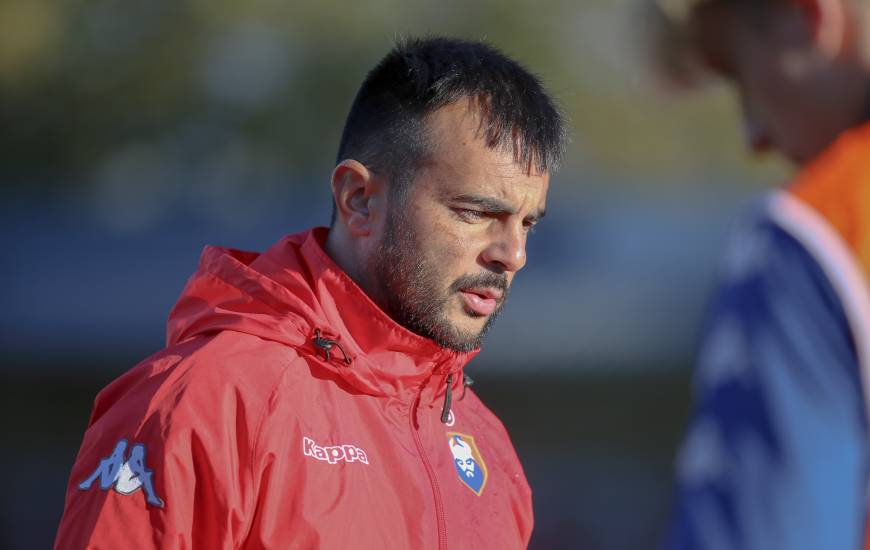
[293, 293]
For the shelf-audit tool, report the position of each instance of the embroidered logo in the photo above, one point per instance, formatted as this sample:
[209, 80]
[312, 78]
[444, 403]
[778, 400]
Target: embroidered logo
[468, 461]
[334, 454]
[126, 476]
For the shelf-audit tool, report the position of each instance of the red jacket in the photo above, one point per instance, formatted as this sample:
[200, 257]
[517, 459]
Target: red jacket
[288, 411]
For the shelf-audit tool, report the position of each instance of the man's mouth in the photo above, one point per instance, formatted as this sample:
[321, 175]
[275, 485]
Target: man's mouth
[481, 301]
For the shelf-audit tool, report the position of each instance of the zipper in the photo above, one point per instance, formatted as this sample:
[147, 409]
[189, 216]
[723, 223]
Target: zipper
[433, 481]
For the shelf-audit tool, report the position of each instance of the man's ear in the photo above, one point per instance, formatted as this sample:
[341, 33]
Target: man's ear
[827, 24]
[355, 190]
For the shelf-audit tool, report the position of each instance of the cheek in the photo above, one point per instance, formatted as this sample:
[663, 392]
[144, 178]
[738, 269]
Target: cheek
[772, 91]
[453, 247]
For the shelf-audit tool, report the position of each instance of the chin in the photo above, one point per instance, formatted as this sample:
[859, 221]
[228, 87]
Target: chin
[465, 333]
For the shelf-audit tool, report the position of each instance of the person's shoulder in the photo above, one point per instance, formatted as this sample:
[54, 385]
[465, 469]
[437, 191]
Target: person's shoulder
[222, 369]
[479, 414]
[776, 309]
[471, 415]
[239, 359]
[766, 265]
[757, 243]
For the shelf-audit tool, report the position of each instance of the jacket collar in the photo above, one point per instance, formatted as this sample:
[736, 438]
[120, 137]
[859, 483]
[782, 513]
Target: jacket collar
[385, 357]
[294, 291]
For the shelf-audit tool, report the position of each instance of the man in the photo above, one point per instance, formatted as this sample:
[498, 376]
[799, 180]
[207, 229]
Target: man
[310, 396]
[776, 454]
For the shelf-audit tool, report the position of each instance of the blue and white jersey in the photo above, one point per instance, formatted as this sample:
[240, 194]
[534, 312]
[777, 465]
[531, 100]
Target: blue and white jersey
[776, 452]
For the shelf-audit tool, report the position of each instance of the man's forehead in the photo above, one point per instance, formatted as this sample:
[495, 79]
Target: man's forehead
[456, 124]
[494, 170]
[459, 164]
[459, 129]
[491, 193]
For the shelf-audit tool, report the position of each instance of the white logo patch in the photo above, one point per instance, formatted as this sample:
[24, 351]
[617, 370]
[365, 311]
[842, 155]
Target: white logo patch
[335, 453]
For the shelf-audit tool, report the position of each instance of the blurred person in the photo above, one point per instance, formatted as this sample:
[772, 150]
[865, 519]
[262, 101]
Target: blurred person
[776, 452]
[313, 396]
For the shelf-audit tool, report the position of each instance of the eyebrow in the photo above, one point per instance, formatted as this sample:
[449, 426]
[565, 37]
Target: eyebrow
[495, 206]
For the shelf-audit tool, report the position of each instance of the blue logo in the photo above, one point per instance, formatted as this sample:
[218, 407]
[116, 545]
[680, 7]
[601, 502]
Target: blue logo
[468, 462]
[126, 476]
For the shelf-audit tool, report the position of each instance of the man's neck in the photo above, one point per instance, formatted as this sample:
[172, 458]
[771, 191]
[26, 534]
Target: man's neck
[337, 248]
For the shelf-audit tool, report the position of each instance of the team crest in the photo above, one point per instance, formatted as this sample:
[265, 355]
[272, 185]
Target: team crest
[468, 462]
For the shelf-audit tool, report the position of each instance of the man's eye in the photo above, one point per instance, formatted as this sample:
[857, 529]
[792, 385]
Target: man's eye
[530, 227]
[470, 215]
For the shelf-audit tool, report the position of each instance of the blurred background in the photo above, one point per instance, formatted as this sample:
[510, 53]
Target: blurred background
[134, 133]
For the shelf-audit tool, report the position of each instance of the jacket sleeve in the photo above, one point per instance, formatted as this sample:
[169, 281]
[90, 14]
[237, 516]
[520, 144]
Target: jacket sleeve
[775, 456]
[166, 461]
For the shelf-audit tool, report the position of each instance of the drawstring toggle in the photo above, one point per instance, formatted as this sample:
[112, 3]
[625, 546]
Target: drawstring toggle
[445, 412]
[326, 345]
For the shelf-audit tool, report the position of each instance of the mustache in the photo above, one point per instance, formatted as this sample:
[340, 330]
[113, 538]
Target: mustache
[490, 280]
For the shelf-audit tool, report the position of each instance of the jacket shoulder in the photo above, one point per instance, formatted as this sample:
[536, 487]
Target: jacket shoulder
[204, 370]
[489, 430]
[193, 413]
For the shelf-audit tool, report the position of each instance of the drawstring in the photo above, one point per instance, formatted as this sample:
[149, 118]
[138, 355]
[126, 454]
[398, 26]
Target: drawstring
[448, 398]
[466, 381]
[445, 412]
[326, 345]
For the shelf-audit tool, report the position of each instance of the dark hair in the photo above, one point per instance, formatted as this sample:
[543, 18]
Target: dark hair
[385, 127]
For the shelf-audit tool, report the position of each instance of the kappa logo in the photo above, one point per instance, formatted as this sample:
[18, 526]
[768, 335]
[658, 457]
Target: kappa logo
[468, 461]
[126, 476]
[333, 454]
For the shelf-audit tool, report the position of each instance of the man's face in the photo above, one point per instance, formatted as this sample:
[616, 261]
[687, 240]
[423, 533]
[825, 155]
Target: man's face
[463, 458]
[452, 244]
[795, 99]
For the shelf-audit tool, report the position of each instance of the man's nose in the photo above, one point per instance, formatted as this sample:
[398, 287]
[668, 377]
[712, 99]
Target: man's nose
[757, 139]
[756, 136]
[507, 250]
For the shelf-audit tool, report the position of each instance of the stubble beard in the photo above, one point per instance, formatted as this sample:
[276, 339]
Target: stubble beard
[412, 296]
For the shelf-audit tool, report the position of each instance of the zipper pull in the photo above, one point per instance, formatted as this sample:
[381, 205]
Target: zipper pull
[445, 412]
